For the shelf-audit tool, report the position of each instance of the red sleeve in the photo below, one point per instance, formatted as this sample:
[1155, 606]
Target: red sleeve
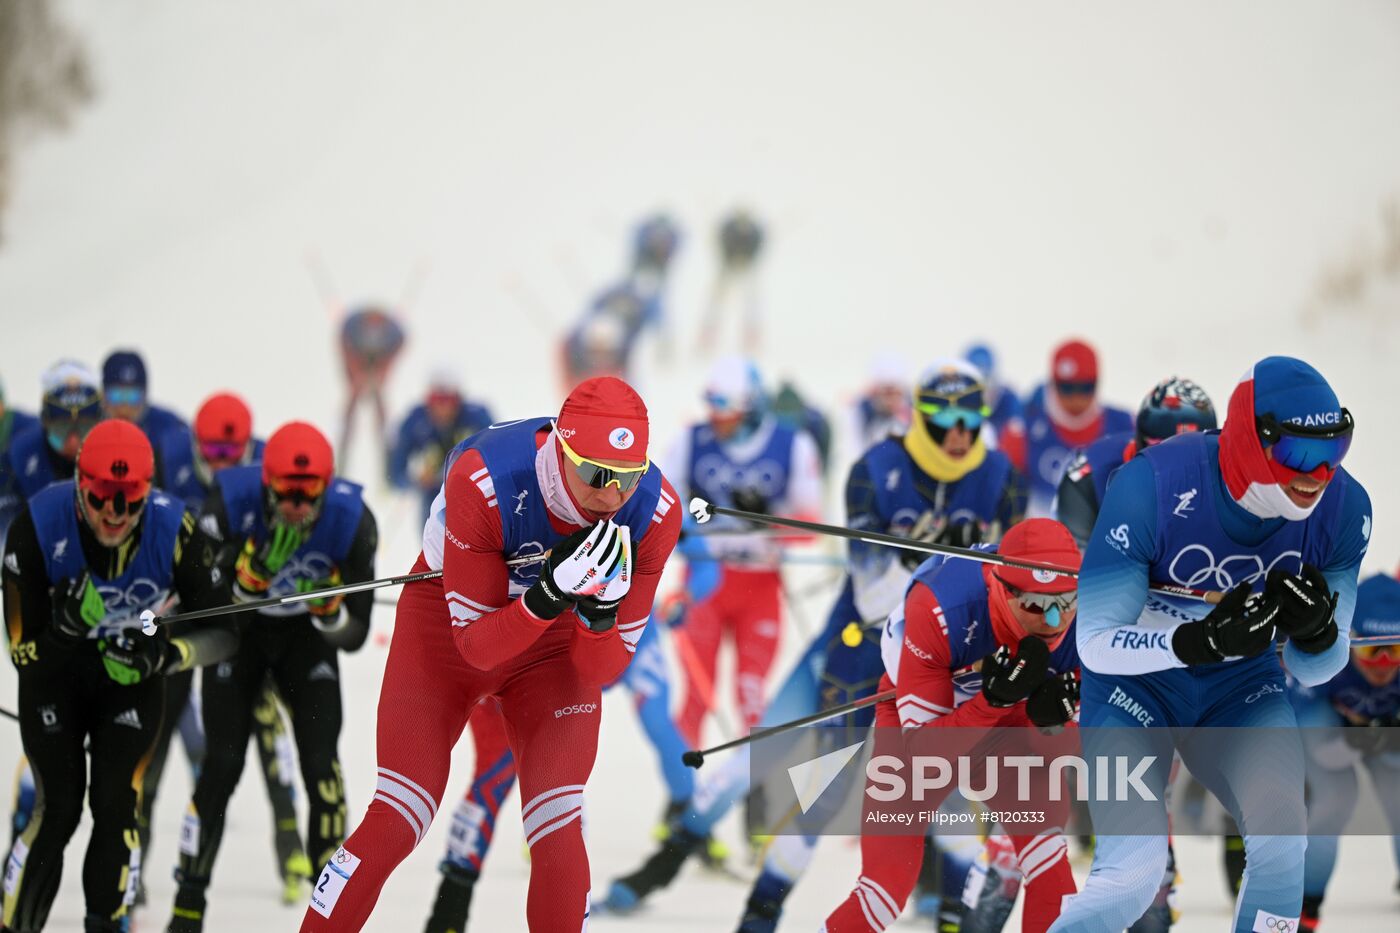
[488, 627]
[601, 657]
[1012, 441]
[924, 694]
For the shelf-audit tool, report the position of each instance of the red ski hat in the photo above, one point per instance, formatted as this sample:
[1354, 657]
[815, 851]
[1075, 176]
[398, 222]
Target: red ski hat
[297, 451]
[1043, 541]
[1074, 361]
[605, 419]
[116, 456]
[223, 418]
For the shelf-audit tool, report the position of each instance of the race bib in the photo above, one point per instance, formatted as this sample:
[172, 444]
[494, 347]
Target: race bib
[189, 834]
[332, 881]
[14, 866]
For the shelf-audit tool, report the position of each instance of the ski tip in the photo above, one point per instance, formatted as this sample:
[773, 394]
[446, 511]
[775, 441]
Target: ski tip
[148, 621]
[700, 509]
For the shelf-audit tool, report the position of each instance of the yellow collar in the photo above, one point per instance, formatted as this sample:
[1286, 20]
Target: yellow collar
[933, 461]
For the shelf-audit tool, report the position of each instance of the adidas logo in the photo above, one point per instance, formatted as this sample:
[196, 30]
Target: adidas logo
[128, 718]
[322, 671]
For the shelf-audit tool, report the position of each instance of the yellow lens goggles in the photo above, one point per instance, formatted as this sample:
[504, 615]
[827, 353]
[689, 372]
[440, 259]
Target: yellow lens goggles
[601, 476]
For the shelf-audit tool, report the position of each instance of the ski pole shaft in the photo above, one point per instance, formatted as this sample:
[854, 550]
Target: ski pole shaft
[695, 758]
[704, 511]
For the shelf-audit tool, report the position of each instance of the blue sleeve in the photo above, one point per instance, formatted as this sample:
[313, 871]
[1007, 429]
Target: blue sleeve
[863, 514]
[403, 448]
[1113, 581]
[1342, 569]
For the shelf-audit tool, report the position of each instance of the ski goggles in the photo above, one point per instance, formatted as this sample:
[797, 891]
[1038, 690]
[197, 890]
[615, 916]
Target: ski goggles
[296, 489]
[1088, 387]
[126, 498]
[129, 395]
[727, 405]
[948, 414]
[1377, 655]
[222, 451]
[1042, 602]
[1302, 449]
[600, 476]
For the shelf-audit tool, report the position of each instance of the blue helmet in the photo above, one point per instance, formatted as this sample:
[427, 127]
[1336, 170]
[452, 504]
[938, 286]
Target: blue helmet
[982, 356]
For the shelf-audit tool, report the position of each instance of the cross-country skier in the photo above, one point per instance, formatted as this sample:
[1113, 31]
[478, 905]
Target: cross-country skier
[1008, 417]
[124, 395]
[371, 338]
[1174, 406]
[294, 526]
[1364, 702]
[186, 464]
[82, 561]
[1263, 511]
[47, 452]
[429, 431]
[883, 409]
[589, 522]
[1062, 416]
[955, 614]
[740, 457]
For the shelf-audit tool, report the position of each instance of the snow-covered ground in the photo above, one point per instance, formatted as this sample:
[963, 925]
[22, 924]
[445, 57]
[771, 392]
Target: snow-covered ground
[1191, 186]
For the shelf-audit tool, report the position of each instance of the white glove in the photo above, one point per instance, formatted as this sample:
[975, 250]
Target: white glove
[581, 565]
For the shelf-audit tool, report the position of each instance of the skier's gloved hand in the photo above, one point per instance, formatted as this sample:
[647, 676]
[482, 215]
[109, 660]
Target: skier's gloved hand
[928, 528]
[749, 499]
[257, 565]
[78, 608]
[1007, 680]
[1306, 608]
[1054, 702]
[579, 566]
[600, 611]
[962, 534]
[1242, 625]
[325, 611]
[131, 657]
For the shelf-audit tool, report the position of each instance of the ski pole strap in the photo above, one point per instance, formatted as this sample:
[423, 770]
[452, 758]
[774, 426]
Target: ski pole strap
[703, 511]
[695, 759]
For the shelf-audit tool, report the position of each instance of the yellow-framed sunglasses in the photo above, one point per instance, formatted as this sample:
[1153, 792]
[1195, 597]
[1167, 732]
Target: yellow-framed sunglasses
[601, 476]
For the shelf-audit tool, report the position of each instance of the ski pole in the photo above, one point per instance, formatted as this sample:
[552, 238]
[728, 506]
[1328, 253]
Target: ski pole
[149, 620]
[704, 511]
[696, 757]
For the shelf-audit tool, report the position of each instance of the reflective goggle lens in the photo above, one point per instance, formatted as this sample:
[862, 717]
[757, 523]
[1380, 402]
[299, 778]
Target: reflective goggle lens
[599, 476]
[221, 451]
[1043, 602]
[297, 489]
[1303, 450]
[1378, 655]
[949, 416]
[124, 396]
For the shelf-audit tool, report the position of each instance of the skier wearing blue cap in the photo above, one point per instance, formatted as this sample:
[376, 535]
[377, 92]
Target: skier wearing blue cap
[1264, 512]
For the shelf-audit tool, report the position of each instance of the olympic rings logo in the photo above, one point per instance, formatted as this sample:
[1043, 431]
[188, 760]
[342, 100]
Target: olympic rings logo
[714, 471]
[1230, 572]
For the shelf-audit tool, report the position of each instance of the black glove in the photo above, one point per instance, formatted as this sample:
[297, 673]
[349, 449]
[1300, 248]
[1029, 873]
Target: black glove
[131, 657]
[750, 500]
[574, 569]
[1008, 680]
[77, 609]
[600, 614]
[1306, 608]
[1053, 703]
[1242, 625]
[963, 535]
[1374, 736]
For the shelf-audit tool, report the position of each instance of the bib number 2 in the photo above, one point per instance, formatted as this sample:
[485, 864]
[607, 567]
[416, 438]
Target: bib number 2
[332, 881]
